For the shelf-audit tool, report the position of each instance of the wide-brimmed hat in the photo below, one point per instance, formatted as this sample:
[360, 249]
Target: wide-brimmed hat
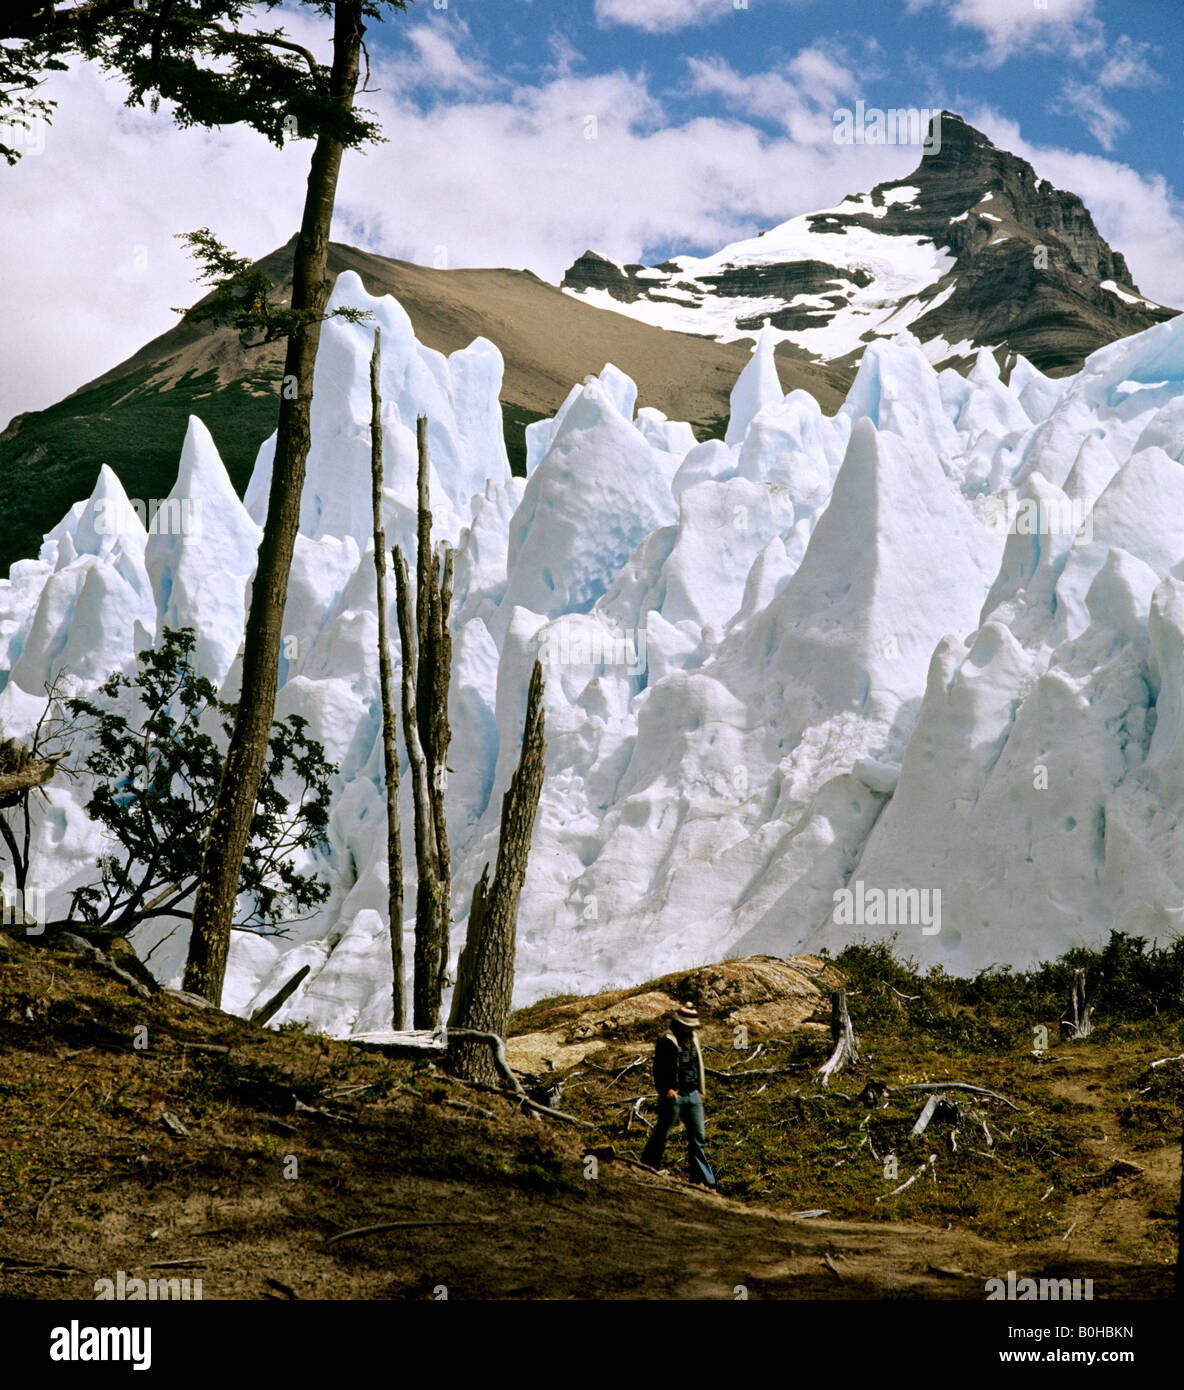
[688, 1016]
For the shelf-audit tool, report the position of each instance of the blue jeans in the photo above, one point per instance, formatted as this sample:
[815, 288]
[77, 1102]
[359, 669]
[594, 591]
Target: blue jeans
[689, 1108]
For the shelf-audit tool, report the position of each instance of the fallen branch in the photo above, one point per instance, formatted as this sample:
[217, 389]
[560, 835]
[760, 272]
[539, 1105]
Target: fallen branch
[469, 1108]
[981, 1153]
[405, 1225]
[929, 1164]
[102, 961]
[926, 1115]
[523, 1099]
[277, 1001]
[953, 1086]
[635, 1063]
[757, 1071]
[499, 1053]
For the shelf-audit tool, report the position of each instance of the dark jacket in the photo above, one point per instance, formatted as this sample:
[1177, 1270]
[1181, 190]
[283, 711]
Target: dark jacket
[666, 1065]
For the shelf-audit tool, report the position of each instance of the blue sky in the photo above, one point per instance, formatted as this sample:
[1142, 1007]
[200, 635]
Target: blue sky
[711, 122]
[1091, 76]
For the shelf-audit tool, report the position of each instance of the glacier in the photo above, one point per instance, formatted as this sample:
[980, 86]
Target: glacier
[804, 657]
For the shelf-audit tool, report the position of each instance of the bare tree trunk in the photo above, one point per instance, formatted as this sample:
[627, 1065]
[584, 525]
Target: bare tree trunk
[426, 991]
[485, 973]
[1079, 1026]
[234, 808]
[433, 604]
[21, 771]
[390, 728]
[842, 1035]
[439, 737]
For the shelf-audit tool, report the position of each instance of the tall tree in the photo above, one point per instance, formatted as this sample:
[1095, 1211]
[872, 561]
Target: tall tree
[200, 56]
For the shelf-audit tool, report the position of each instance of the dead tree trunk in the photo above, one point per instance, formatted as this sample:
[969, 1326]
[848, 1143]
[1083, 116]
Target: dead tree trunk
[267, 1011]
[426, 988]
[22, 772]
[485, 973]
[1079, 1026]
[390, 741]
[846, 1047]
[433, 602]
[440, 736]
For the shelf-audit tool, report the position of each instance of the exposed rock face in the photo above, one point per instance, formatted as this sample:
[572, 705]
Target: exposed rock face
[1024, 268]
[763, 993]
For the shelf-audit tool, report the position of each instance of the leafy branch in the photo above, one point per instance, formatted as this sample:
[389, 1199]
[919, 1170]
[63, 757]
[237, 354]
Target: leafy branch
[244, 295]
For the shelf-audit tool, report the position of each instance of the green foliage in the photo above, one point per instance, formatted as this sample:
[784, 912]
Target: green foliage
[1128, 981]
[211, 60]
[242, 297]
[157, 781]
[1158, 1103]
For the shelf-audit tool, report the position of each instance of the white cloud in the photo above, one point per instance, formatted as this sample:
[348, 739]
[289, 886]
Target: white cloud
[802, 99]
[1138, 214]
[1012, 25]
[1102, 121]
[89, 261]
[1127, 65]
[519, 183]
[665, 16]
[439, 63]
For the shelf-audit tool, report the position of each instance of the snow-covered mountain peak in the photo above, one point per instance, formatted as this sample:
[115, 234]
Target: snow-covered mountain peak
[969, 250]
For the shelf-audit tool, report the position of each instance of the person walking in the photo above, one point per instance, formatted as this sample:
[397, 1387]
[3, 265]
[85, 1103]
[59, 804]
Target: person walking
[681, 1083]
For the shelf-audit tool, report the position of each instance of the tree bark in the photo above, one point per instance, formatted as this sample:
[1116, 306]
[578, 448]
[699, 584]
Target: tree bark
[842, 1035]
[439, 737]
[433, 605]
[485, 973]
[230, 826]
[426, 987]
[1079, 1026]
[390, 738]
[18, 780]
[268, 1010]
